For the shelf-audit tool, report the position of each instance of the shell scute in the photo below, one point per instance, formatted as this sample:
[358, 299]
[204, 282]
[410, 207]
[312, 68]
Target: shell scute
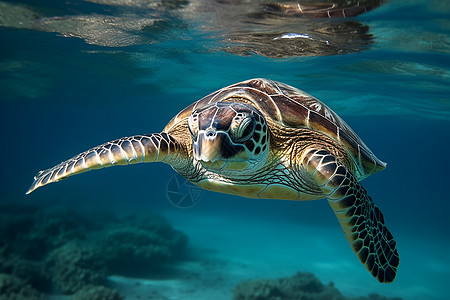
[319, 123]
[310, 103]
[261, 85]
[293, 114]
[348, 143]
[262, 101]
[249, 95]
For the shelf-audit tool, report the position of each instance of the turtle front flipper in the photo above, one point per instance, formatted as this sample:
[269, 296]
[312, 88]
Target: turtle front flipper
[361, 221]
[128, 150]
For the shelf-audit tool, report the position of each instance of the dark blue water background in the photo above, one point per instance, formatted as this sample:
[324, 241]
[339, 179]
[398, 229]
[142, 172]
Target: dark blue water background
[60, 95]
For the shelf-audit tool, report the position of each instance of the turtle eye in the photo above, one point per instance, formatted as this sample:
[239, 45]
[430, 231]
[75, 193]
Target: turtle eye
[193, 125]
[242, 128]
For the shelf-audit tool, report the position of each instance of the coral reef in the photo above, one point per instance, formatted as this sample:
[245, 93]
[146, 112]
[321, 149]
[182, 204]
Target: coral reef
[65, 252]
[75, 265]
[139, 244]
[32, 272]
[301, 286]
[97, 293]
[44, 251]
[32, 233]
[14, 288]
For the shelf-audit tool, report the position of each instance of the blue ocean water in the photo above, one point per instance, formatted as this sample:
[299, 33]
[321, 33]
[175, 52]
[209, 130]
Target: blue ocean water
[77, 74]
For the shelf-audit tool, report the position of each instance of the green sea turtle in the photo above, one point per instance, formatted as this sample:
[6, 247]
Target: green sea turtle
[263, 139]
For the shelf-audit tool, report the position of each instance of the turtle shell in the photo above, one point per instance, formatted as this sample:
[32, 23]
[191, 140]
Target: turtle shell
[290, 107]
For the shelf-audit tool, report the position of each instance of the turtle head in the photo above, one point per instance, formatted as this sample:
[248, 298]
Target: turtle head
[229, 137]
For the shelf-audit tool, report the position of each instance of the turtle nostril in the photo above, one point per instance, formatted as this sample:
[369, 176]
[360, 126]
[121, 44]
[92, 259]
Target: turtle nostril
[210, 133]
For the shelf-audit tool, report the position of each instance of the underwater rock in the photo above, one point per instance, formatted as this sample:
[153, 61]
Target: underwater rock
[16, 223]
[31, 272]
[69, 251]
[301, 286]
[62, 226]
[138, 245]
[97, 293]
[75, 265]
[14, 288]
[32, 233]
[298, 287]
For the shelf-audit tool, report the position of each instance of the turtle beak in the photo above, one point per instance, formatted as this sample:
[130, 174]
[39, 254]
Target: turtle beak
[207, 148]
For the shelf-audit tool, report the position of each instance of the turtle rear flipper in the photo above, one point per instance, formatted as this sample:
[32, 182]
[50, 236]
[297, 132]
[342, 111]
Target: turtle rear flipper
[128, 150]
[361, 221]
